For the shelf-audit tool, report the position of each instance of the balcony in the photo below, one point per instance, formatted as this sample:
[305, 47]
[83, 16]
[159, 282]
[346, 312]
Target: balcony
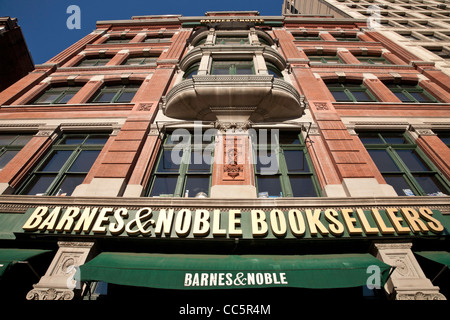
[258, 98]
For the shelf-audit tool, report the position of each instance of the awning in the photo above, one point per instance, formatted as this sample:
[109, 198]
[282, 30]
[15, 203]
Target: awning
[441, 257]
[178, 271]
[9, 257]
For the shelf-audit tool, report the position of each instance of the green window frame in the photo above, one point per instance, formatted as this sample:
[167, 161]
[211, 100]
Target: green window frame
[293, 175]
[329, 59]
[411, 93]
[232, 40]
[232, 67]
[116, 94]
[346, 38]
[372, 60]
[189, 175]
[57, 95]
[307, 37]
[93, 62]
[350, 92]
[403, 164]
[116, 40]
[134, 61]
[10, 145]
[65, 165]
[158, 39]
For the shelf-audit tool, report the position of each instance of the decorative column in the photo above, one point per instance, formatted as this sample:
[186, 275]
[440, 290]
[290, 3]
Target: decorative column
[407, 282]
[232, 169]
[58, 282]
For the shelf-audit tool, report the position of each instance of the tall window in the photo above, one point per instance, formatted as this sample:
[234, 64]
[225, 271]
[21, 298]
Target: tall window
[183, 168]
[403, 165]
[93, 62]
[226, 67]
[135, 61]
[372, 59]
[283, 167]
[10, 145]
[57, 95]
[65, 166]
[113, 40]
[350, 92]
[444, 136]
[330, 59]
[116, 94]
[232, 40]
[411, 93]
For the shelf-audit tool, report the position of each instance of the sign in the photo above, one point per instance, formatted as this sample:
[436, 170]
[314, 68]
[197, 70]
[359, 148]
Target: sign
[235, 223]
[231, 20]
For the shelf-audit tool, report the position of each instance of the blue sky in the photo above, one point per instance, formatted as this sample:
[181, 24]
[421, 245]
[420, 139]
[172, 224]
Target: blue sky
[43, 22]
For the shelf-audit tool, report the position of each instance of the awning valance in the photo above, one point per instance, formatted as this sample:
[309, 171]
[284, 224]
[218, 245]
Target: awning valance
[442, 257]
[179, 271]
[9, 257]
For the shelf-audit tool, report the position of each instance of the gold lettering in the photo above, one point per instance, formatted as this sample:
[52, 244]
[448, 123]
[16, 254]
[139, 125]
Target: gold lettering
[435, 225]
[413, 219]
[183, 222]
[380, 223]
[368, 229]
[217, 232]
[350, 222]
[397, 221]
[102, 218]
[67, 220]
[50, 222]
[86, 220]
[336, 227]
[278, 223]
[201, 223]
[314, 222]
[119, 226]
[234, 221]
[259, 224]
[296, 222]
[165, 221]
[35, 219]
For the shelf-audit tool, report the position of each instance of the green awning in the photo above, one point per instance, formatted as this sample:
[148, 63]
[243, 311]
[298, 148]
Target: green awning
[178, 271]
[441, 257]
[9, 257]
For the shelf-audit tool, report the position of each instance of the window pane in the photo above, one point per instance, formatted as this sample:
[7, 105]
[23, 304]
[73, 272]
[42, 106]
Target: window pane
[126, 97]
[73, 139]
[47, 98]
[21, 140]
[39, 184]
[6, 157]
[412, 160]
[403, 97]
[56, 160]
[70, 183]
[200, 161]
[383, 160]
[244, 69]
[302, 186]
[97, 139]
[267, 162]
[430, 184]
[295, 161]
[66, 97]
[170, 160]
[399, 183]
[105, 97]
[444, 136]
[164, 185]
[394, 138]
[220, 69]
[361, 96]
[269, 184]
[340, 96]
[370, 138]
[421, 97]
[6, 139]
[197, 184]
[84, 161]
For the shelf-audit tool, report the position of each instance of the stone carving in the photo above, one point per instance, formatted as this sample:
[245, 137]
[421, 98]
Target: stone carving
[321, 106]
[50, 294]
[421, 296]
[145, 107]
[232, 168]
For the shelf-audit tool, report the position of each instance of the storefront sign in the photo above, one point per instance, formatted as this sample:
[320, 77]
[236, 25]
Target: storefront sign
[235, 223]
[231, 20]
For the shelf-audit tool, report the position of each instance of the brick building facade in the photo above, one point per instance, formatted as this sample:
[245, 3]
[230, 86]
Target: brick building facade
[177, 141]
